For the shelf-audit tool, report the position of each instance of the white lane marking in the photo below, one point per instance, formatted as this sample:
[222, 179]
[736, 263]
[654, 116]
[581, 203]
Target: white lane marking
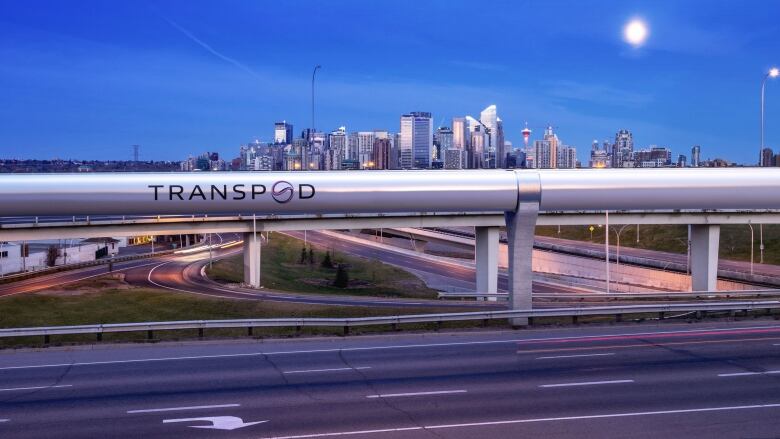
[587, 383]
[396, 395]
[175, 409]
[742, 374]
[575, 356]
[36, 388]
[149, 278]
[532, 420]
[335, 369]
[374, 348]
[4, 420]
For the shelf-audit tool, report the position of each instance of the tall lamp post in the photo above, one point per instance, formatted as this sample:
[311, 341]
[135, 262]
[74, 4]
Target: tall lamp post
[618, 232]
[772, 73]
[752, 238]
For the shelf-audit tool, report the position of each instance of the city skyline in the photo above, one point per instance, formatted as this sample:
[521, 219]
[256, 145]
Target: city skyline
[195, 78]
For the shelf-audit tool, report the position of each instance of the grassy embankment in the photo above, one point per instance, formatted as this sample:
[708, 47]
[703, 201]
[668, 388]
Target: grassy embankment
[734, 239]
[282, 270]
[109, 299]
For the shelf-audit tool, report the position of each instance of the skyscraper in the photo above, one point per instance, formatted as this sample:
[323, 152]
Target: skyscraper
[599, 158]
[623, 149]
[696, 156]
[364, 148]
[473, 159]
[283, 133]
[767, 157]
[480, 157]
[567, 157]
[500, 145]
[460, 137]
[546, 156]
[442, 141]
[416, 140]
[489, 118]
[381, 154]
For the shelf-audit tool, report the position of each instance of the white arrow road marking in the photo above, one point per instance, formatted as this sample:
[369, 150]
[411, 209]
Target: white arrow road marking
[217, 422]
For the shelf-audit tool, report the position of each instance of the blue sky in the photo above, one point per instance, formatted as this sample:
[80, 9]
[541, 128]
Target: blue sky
[88, 79]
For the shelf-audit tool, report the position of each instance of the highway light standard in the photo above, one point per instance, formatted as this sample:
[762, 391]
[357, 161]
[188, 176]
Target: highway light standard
[618, 232]
[752, 237]
[772, 73]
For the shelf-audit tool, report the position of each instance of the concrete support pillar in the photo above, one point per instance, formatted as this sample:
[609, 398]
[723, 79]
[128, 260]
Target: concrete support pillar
[705, 239]
[186, 240]
[252, 260]
[486, 258]
[520, 228]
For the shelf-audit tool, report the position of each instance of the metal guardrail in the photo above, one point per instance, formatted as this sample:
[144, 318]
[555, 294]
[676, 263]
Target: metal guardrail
[60, 268]
[347, 323]
[620, 296]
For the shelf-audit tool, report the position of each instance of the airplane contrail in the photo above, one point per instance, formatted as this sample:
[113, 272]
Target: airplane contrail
[211, 50]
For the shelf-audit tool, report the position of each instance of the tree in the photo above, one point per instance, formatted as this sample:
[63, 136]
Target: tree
[327, 262]
[51, 256]
[303, 256]
[342, 277]
[311, 256]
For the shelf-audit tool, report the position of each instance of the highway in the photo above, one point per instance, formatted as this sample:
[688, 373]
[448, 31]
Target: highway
[645, 381]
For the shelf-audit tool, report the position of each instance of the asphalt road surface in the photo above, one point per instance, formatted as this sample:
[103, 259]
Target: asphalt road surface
[701, 380]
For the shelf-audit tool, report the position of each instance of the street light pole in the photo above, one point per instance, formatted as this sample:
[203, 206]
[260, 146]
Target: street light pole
[618, 232]
[773, 73]
[311, 130]
[606, 245]
[751, 247]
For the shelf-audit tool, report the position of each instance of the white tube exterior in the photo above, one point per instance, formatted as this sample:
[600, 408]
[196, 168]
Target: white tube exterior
[280, 193]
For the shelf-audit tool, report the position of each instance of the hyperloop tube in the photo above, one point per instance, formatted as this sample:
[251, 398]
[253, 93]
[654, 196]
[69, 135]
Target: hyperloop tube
[660, 189]
[265, 193]
[280, 193]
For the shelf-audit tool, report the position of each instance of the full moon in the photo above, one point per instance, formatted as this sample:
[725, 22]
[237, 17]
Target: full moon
[635, 32]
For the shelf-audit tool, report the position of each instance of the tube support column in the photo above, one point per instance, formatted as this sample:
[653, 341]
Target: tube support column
[486, 256]
[252, 260]
[705, 240]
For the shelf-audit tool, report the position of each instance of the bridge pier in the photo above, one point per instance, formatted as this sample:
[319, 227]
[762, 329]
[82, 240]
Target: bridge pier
[252, 260]
[486, 258]
[520, 226]
[705, 240]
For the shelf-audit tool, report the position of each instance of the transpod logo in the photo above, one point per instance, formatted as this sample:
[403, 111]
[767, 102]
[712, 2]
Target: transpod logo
[282, 191]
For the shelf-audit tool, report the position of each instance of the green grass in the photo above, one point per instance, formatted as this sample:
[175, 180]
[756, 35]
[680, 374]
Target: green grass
[112, 305]
[734, 238]
[282, 270]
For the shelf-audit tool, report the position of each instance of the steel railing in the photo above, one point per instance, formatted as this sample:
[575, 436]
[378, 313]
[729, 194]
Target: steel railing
[622, 296]
[347, 323]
